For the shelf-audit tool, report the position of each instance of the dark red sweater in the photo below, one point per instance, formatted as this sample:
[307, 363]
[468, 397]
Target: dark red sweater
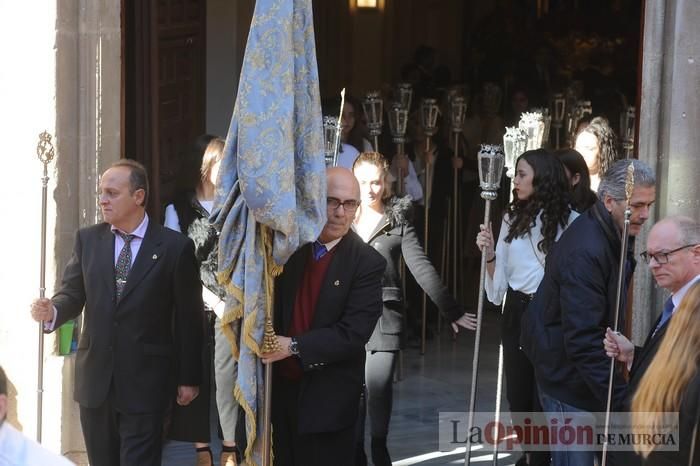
[305, 307]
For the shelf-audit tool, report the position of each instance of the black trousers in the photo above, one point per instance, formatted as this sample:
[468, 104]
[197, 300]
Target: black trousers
[114, 438]
[294, 449]
[521, 387]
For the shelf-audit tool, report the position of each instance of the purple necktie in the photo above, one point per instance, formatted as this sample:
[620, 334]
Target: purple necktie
[319, 250]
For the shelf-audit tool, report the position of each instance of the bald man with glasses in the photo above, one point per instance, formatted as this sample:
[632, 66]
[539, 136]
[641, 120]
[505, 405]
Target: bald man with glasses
[327, 302]
[673, 256]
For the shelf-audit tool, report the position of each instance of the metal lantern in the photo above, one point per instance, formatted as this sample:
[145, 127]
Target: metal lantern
[491, 162]
[404, 94]
[547, 124]
[627, 124]
[559, 111]
[533, 125]
[514, 144]
[458, 110]
[373, 106]
[559, 104]
[398, 119]
[429, 111]
[584, 107]
[331, 144]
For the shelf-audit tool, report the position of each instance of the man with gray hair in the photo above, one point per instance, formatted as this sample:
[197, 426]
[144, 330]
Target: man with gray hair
[565, 323]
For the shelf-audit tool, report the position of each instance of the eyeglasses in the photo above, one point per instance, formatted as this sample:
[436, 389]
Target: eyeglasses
[662, 257]
[350, 205]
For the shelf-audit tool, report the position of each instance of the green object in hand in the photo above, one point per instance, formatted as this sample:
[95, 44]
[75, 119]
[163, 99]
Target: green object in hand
[65, 337]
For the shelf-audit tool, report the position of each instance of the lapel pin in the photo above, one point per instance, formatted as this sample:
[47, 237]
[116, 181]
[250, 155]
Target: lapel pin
[155, 256]
[336, 283]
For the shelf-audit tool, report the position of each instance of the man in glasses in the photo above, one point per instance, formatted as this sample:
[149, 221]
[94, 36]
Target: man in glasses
[327, 303]
[673, 256]
[564, 324]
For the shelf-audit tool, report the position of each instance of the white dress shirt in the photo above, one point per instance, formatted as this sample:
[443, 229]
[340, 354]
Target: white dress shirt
[172, 220]
[519, 264]
[135, 244]
[18, 450]
[678, 296]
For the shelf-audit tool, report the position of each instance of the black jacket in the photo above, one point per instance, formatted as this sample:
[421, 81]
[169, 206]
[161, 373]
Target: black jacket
[564, 325]
[150, 340]
[393, 238]
[332, 352]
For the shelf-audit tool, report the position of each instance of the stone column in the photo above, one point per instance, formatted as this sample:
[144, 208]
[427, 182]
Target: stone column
[61, 72]
[669, 136]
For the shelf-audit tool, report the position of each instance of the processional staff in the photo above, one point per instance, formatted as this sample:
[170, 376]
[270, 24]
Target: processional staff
[428, 117]
[629, 188]
[45, 152]
[514, 144]
[398, 120]
[490, 162]
[458, 111]
[332, 129]
[331, 144]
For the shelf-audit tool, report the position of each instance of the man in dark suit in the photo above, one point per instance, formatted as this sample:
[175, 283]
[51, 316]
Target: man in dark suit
[141, 336]
[673, 256]
[564, 324]
[327, 302]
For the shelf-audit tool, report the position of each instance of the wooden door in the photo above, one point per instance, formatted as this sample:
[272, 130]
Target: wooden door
[164, 60]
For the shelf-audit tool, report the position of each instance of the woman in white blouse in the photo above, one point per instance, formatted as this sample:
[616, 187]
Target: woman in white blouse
[534, 220]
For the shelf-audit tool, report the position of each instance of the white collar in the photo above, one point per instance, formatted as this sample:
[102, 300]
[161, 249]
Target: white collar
[331, 244]
[678, 296]
[140, 231]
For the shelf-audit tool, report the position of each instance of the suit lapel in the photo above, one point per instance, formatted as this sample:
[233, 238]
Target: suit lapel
[384, 223]
[149, 253]
[651, 342]
[106, 258]
[293, 270]
[335, 276]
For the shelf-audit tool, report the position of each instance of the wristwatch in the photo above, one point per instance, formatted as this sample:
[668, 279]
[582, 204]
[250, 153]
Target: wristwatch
[294, 347]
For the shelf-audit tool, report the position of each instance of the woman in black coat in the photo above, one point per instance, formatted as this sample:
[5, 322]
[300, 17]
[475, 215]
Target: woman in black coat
[384, 222]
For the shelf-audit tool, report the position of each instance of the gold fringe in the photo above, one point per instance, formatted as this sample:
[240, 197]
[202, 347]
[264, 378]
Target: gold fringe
[271, 270]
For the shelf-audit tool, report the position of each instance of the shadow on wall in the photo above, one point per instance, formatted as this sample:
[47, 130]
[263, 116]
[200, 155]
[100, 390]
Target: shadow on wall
[12, 415]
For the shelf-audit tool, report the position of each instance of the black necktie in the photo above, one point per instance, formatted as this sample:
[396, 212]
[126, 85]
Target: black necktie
[121, 269]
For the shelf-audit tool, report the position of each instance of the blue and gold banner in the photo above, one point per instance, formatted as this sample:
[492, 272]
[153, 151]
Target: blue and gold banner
[271, 191]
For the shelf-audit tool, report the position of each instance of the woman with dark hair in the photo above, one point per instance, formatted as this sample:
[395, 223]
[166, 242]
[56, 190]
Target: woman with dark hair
[352, 129]
[189, 214]
[384, 222]
[597, 144]
[534, 220]
[577, 172]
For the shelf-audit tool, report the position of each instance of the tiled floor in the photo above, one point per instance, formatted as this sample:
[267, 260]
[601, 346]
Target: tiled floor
[438, 381]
